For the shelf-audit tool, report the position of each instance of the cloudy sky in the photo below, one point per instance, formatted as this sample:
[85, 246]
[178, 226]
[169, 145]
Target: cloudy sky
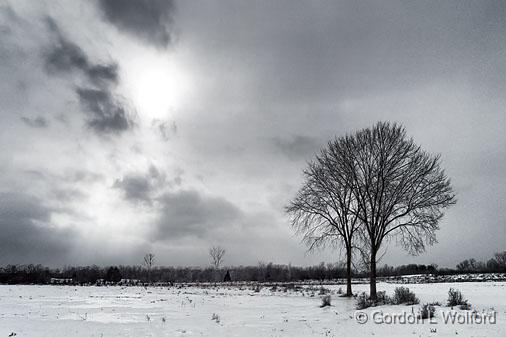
[162, 126]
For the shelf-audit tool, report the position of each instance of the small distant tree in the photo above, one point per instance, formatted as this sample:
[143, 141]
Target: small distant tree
[493, 265]
[500, 258]
[467, 266]
[113, 274]
[149, 261]
[216, 253]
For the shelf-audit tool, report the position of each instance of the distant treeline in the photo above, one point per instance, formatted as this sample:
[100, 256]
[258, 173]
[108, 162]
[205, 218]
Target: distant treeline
[496, 264]
[38, 274]
[263, 272]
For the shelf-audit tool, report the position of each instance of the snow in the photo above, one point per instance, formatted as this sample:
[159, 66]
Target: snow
[231, 311]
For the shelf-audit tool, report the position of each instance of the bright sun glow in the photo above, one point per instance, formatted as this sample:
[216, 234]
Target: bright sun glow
[159, 87]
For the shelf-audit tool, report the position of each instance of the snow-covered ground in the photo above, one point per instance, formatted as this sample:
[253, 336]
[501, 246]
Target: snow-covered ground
[192, 311]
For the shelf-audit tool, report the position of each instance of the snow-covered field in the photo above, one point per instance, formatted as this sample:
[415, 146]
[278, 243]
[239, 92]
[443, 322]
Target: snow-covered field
[192, 311]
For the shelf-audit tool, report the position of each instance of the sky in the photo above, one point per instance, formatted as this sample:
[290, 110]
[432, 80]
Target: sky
[172, 126]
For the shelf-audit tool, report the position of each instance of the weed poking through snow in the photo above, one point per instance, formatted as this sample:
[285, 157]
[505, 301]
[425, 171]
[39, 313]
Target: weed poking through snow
[325, 301]
[455, 298]
[427, 311]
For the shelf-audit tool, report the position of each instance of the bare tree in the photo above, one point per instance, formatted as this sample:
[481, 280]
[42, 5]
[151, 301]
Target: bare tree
[216, 253]
[400, 190]
[324, 209]
[500, 258]
[467, 266]
[149, 261]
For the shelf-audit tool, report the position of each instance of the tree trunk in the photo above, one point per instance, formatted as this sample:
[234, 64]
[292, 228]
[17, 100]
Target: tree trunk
[372, 280]
[348, 272]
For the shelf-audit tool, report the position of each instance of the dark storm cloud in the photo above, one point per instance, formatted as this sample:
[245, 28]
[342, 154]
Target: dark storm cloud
[136, 187]
[26, 232]
[106, 114]
[148, 20]
[296, 147]
[141, 187]
[36, 122]
[66, 56]
[189, 213]
[103, 72]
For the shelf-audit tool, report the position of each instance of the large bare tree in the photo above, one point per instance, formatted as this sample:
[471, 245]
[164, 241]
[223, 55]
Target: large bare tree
[400, 189]
[324, 209]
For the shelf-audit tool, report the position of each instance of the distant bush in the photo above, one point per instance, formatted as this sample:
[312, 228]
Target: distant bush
[325, 301]
[465, 306]
[455, 298]
[403, 295]
[428, 310]
[382, 298]
[364, 301]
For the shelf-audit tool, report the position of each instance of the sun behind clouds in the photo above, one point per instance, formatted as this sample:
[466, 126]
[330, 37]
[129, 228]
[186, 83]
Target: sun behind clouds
[159, 84]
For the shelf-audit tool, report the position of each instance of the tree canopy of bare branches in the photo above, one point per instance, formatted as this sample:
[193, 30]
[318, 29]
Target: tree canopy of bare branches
[324, 209]
[400, 190]
[216, 253]
[149, 261]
